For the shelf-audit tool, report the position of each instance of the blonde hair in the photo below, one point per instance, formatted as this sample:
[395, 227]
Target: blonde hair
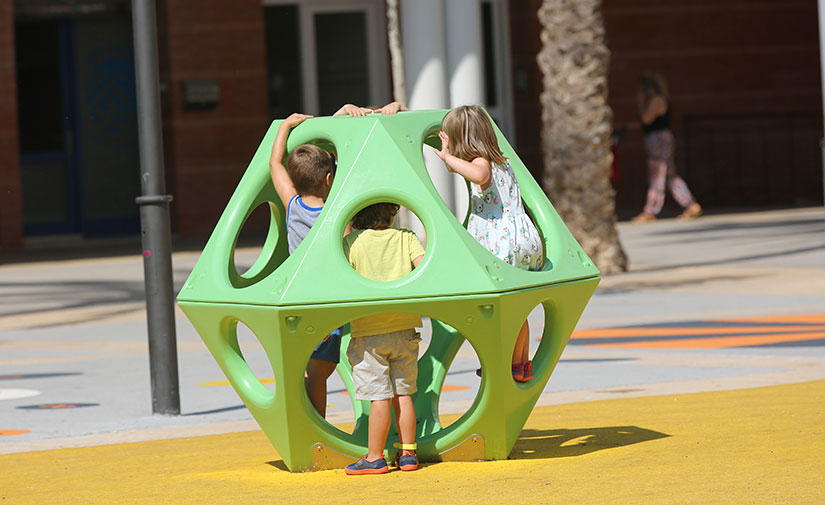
[471, 134]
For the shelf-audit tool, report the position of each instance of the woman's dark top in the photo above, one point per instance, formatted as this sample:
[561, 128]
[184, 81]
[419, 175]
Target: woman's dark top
[660, 123]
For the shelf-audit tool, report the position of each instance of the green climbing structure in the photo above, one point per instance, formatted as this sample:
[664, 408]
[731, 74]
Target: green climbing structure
[291, 302]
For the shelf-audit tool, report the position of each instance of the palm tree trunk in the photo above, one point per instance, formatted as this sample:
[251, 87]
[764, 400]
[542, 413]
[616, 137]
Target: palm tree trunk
[576, 127]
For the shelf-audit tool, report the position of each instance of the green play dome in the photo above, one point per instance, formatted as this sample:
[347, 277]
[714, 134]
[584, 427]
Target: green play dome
[291, 302]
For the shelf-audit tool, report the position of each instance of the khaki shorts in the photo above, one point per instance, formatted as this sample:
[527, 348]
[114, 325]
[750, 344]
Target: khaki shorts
[384, 365]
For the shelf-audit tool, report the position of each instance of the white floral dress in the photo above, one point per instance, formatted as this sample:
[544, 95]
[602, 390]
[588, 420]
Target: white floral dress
[499, 222]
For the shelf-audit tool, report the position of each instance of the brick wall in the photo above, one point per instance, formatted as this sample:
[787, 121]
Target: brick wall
[745, 90]
[11, 213]
[744, 79]
[207, 151]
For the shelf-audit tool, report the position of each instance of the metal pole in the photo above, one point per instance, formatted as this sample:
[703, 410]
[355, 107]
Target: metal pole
[821, 10]
[154, 216]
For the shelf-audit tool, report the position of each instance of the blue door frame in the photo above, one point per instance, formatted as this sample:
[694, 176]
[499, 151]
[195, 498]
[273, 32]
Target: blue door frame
[73, 218]
[68, 155]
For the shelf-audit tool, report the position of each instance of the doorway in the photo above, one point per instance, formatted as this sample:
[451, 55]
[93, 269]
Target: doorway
[323, 54]
[77, 125]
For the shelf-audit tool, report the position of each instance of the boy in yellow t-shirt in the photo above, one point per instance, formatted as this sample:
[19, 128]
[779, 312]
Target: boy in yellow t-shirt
[383, 350]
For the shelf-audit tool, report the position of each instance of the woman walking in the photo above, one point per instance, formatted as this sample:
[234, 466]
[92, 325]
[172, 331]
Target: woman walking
[654, 112]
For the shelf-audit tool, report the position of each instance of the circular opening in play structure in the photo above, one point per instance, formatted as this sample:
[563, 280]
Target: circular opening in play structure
[255, 245]
[406, 219]
[456, 192]
[322, 384]
[254, 370]
[339, 384]
[426, 332]
[261, 246]
[446, 382]
[308, 172]
[452, 188]
[532, 352]
[380, 247]
[459, 389]
[545, 263]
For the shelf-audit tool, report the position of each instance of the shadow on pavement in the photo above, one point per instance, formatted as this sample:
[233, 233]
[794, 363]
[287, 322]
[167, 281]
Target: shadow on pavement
[279, 464]
[816, 224]
[741, 259]
[631, 285]
[545, 444]
[216, 411]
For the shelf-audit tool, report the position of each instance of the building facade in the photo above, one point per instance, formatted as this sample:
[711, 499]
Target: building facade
[744, 82]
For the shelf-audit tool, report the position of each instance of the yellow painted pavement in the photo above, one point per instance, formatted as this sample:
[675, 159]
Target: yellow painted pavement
[755, 446]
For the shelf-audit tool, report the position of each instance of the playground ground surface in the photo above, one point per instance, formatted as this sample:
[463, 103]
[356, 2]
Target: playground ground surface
[697, 377]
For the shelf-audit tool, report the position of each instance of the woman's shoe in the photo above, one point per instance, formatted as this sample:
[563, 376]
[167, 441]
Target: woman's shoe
[692, 210]
[644, 217]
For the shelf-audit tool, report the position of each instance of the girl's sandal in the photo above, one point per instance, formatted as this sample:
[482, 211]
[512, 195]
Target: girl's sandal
[528, 371]
[518, 372]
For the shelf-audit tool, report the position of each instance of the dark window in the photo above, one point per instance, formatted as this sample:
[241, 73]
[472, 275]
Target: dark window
[283, 60]
[40, 109]
[341, 56]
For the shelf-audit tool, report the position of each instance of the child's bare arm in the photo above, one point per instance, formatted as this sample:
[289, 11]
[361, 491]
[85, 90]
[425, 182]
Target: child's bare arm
[477, 171]
[417, 260]
[280, 178]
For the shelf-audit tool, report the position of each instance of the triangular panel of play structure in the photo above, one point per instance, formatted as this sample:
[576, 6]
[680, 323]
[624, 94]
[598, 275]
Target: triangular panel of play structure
[291, 302]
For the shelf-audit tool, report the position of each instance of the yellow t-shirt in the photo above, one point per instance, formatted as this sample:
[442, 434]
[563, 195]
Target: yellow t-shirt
[383, 255]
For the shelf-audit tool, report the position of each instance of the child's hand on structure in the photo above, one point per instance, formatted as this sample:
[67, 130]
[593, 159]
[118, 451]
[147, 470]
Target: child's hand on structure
[295, 119]
[390, 108]
[445, 146]
[353, 111]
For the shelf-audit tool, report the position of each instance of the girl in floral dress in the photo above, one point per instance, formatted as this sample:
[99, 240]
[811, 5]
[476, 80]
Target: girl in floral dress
[497, 217]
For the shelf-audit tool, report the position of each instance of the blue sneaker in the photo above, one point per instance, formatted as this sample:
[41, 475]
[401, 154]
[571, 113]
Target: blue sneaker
[406, 458]
[364, 467]
[406, 462]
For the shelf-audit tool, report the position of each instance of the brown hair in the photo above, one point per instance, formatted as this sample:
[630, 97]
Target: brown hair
[653, 81]
[308, 167]
[377, 215]
[471, 134]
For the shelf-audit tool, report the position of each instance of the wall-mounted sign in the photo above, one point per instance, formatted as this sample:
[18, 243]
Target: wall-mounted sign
[201, 94]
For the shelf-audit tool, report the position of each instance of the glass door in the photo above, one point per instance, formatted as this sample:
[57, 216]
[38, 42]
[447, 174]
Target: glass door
[45, 124]
[322, 54]
[106, 124]
[78, 125]
[495, 37]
